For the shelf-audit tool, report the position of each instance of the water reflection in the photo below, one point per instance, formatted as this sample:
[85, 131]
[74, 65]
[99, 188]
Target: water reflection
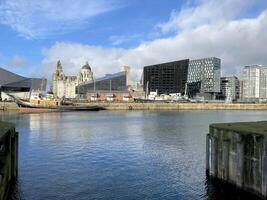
[118, 154]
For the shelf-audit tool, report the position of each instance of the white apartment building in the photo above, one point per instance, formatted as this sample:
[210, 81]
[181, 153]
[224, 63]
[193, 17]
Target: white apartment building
[255, 82]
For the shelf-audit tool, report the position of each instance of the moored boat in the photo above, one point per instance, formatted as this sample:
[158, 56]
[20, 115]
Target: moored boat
[38, 104]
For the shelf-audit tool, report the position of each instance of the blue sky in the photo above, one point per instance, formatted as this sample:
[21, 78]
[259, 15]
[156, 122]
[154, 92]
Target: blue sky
[113, 33]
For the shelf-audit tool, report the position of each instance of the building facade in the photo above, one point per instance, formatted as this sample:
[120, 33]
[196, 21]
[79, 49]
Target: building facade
[18, 85]
[241, 90]
[204, 77]
[254, 83]
[65, 86]
[111, 87]
[166, 78]
[230, 88]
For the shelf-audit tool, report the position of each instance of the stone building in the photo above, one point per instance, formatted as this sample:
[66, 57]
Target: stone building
[64, 86]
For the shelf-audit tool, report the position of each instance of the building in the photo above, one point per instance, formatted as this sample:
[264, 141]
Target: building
[204, 77]
[254, 83]
[18, 85]
[111, 87]
[241, 90]
[230, 88]
[166, 78]
[64, 86]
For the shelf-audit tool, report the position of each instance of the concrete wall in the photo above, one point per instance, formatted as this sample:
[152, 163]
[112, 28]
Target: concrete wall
[238, 158]
[8, 106]
[8, 158]
[179, 106]
[159, 106]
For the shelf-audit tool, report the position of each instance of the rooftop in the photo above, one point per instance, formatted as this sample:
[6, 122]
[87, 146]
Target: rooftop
[7, 77]
[106, 77]
[259, 127]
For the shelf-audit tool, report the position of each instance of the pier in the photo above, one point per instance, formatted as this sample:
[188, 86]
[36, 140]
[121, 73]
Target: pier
[237, 154]
[8, 157]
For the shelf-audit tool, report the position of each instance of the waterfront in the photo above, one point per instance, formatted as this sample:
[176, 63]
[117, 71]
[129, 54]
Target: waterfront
[117, 154]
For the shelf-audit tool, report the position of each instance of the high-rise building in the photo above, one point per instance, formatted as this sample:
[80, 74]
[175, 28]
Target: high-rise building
[254, 82]
[241, 90]
[204, 77]
[166, 78]
[230, 88]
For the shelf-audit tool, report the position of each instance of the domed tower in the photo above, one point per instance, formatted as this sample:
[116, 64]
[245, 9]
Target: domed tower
[86, 73]
[58, 75]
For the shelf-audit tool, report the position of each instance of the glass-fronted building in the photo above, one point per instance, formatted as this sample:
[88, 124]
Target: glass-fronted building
[204, 76]
[110, 82]
[166, 78]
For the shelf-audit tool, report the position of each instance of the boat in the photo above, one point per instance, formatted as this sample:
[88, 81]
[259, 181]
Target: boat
[40, 103]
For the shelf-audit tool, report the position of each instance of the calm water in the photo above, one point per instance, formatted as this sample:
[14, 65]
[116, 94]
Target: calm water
[118, 154]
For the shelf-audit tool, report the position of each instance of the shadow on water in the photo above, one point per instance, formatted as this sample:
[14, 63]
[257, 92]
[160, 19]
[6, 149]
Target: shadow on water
[15, 193]
[215, 189]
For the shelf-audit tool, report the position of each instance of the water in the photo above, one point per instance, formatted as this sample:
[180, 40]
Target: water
[118, 154]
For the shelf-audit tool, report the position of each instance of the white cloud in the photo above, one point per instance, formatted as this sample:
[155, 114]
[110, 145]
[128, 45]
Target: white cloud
[237, 42]
[17, 61]
[207, 12]
[34, 19]
[117, 40]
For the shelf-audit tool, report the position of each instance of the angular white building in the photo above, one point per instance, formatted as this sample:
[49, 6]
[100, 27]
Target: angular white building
[64, 86]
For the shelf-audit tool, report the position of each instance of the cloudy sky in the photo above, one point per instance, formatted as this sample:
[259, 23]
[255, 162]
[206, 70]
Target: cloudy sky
[113, 33]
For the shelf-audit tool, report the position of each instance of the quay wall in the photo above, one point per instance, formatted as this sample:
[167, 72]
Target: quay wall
[236, 153]
[177, 106]
[8, 158]
[8, 106]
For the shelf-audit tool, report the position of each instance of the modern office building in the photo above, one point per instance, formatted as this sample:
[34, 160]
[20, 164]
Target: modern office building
[110, 87]
[166, 78]
[204, 77]
[19, 85]
[254, 83]
[230, 88]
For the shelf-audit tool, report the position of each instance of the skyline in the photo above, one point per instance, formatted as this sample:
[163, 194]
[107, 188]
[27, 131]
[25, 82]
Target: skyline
[35, 35]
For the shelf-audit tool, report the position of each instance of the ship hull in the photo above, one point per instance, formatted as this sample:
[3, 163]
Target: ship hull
[27, 107]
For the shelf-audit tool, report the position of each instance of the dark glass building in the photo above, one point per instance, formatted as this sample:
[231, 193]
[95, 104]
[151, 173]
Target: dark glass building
[166, 78]
[110, 82]
[11, 82]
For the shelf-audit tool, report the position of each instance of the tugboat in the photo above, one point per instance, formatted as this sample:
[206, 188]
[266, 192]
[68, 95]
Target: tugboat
[41, 102]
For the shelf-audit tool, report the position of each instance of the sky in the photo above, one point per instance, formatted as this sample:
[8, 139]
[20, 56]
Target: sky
[109, 34]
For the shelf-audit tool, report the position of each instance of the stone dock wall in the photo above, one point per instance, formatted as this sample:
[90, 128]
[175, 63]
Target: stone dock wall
[237, 154]
[8, 158]
[179, 106]
[9, 106]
